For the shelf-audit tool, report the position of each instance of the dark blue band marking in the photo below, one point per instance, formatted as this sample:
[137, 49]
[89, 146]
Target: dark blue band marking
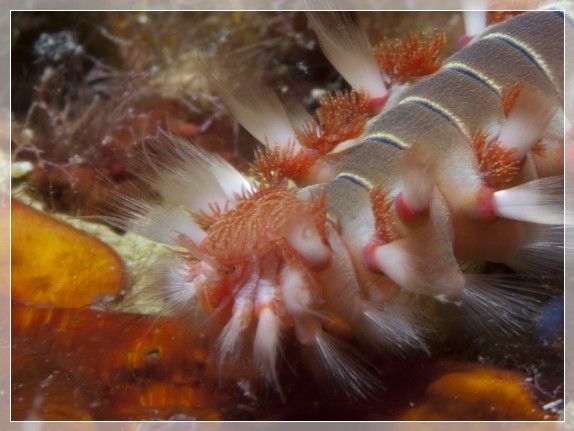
[352, 179]
[387, 141]
[473, 76]
[522, 51]
[559, 13]
[564, 16]
[435, 110]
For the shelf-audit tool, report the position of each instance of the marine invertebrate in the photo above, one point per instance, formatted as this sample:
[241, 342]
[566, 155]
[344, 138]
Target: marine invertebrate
[396, 183]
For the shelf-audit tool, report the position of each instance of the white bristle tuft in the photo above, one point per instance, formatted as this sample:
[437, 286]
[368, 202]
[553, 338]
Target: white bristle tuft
[348, 49]
[499, 303]
[295, 290]
[159, 222]
[394, 260]
[164, 286]
[303, 236]
[538, 201]
[346, 373]
[526, 123]
[195, 179]
[165, 224]
[391, 327]
[241, 317]
[410, 266]
[230, 337]
[180, 180]
[266, 345]
[306, 328]
[178, 290]
[543, 253]
[254, 105]
[299, 117]
[418, 176]
[230, 179]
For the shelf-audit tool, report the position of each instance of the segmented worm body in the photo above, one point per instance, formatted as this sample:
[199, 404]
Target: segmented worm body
[397, 183]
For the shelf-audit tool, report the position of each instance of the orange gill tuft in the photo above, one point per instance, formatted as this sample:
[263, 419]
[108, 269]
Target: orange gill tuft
[497, 164]
[413, 56]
